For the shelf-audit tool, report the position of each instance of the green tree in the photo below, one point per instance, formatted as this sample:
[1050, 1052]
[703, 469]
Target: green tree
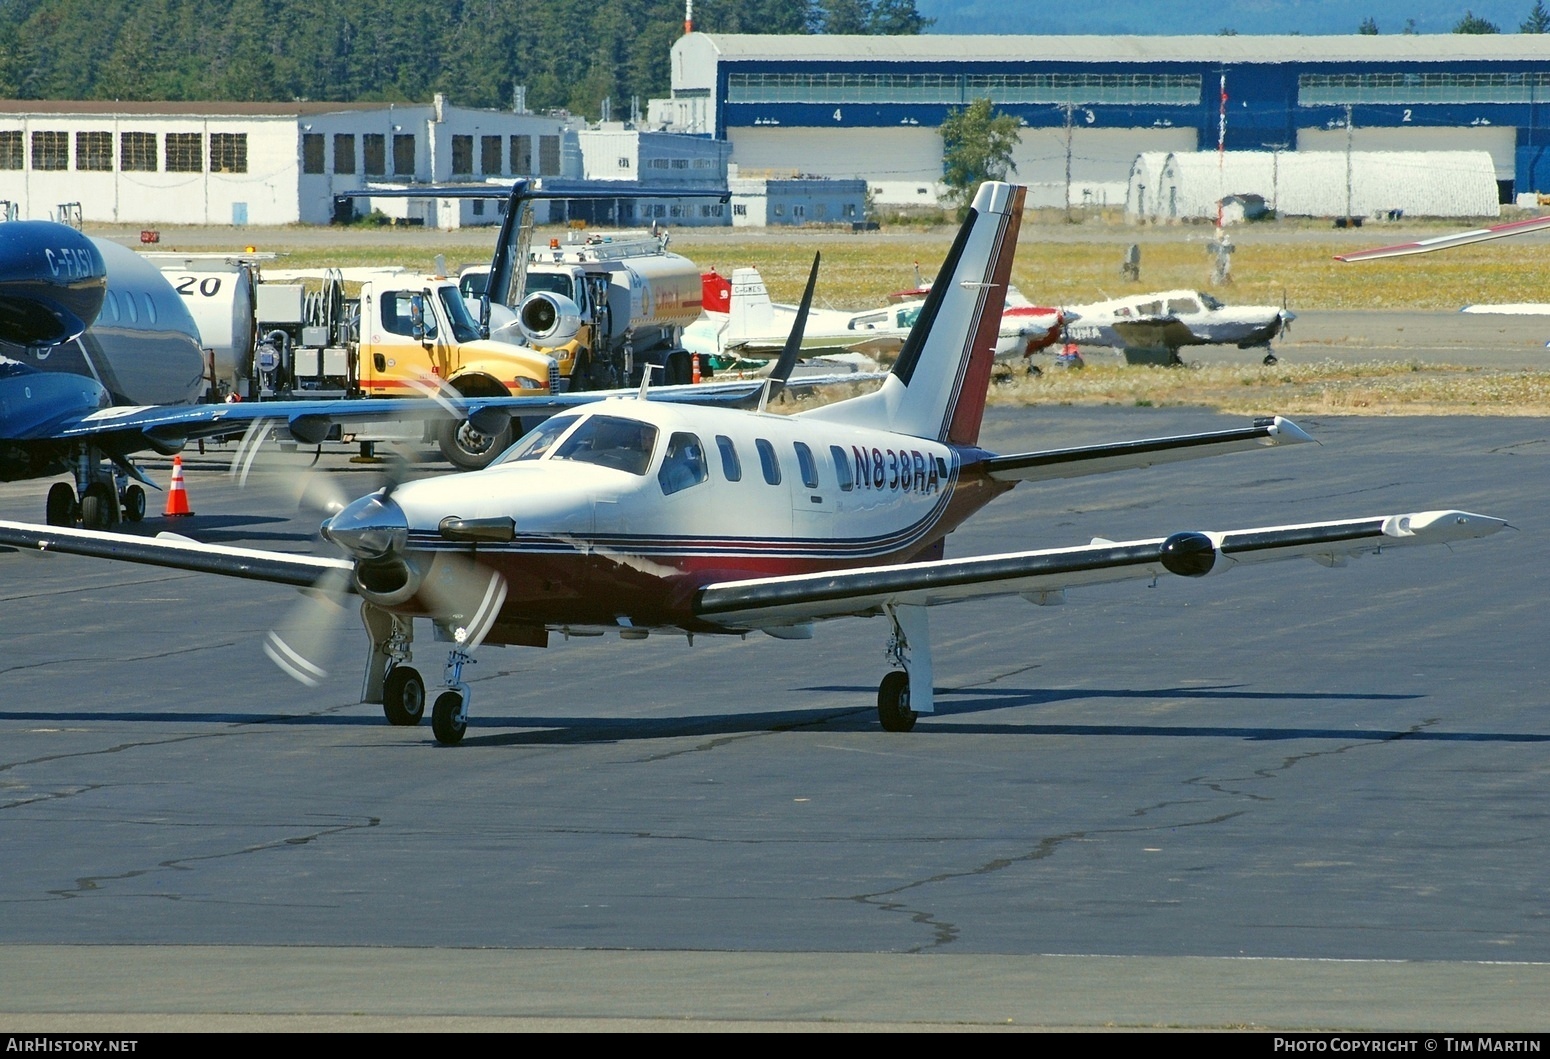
[1472, 23]
[847, 16]
[977, 145]
[897, 18]
[1369, 27]
[1538, 20]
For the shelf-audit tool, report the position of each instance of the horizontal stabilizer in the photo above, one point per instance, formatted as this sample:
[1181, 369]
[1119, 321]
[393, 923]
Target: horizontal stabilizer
[1099, 459]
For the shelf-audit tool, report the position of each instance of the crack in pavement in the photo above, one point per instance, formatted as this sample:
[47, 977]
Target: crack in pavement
[127, 658]
[89, 883]
[1293, 760]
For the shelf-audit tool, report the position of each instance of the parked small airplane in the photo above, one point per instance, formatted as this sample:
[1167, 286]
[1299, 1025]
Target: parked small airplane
[1148, 326]
[740, 319]
[637, 515]
[100, 359]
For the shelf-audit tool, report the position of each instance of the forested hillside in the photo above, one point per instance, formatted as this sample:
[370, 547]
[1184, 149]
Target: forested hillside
[569, 53]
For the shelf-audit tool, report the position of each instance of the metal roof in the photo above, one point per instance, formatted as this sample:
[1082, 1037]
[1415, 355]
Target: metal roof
[186, 109]
[1434, 47]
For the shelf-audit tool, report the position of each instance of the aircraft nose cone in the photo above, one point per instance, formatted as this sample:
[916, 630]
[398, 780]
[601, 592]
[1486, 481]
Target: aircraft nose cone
[370, 528]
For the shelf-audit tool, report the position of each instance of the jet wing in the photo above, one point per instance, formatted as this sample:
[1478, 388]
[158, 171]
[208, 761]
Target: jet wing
[164, 428]
[1041, 576]
[1163, 332]
[1444, 242]
[1098, 459]
[178, 553]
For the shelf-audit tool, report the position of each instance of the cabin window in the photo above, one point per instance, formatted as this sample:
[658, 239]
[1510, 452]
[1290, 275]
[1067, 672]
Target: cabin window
[344, 152]
[94, 150]
[462, 155]
[150, 307]
[374, 153]
[312, 152]
[842, 468]
[185, 152]
[808, 465]
[768, 461]
[51, 150]
[490, 155]
[609, 441]
[403, 155]
[11, 149]
[1183, 305]
[731, 466]
[1149, 309]
[536, 443]
[521, 155]
[683, 465]
[229, 152]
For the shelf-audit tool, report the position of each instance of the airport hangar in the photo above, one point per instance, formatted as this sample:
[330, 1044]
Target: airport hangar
[870, 107]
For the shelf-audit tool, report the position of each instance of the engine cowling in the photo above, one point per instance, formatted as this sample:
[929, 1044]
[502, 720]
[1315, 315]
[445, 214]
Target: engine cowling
[549, 319]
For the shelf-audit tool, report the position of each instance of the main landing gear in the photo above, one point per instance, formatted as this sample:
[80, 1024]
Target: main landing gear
[400, 688]
[906, 693]
[102, 497]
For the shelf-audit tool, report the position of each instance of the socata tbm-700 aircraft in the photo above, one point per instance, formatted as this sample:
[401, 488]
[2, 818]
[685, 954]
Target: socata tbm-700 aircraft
[639, 515]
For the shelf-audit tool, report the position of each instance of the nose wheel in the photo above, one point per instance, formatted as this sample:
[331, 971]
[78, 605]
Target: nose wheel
[893, 703]
[449, 717]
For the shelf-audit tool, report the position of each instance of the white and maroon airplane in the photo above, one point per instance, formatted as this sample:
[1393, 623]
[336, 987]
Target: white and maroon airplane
[635, 515]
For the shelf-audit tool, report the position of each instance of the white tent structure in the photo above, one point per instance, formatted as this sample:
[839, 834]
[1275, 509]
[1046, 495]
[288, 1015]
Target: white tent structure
[1141, 192]
[1317, 184]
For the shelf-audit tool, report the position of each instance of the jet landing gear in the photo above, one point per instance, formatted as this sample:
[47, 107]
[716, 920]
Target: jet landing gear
[905, 695]
[106, 496]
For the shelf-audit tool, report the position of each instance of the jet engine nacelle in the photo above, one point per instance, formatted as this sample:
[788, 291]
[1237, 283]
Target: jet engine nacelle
[549, 319]
[52, 283]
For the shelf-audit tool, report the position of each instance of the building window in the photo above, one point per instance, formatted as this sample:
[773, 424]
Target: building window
[374, 153]
[344, 153]
[1433, 87]
[711, 211]
[94, 150]
[403, 155]
[462, 155]
[521, 155]
[51, 150]
[11, 149]
[740, 209]
[624, 163]
[228, 152]
[960, 89]
[312, 152]
[658, 163]
[185, 152]
[490, 155]
[850, 209]
[548, 156]
[680, 163]
[703, 163]
[799, 211]
[137, 152]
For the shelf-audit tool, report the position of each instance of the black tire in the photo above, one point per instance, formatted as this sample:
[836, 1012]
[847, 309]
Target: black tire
[469, 449]
[61, 509]
[444, 723]
[134, 504]
[893, 703]
[403, 696]
[99, 507]
[1270, 358]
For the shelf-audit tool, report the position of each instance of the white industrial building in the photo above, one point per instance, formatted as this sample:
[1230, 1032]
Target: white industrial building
[1315, 183]
[264, 163]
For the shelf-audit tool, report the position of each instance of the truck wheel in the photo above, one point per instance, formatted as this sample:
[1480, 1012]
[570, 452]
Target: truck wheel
[470, 449]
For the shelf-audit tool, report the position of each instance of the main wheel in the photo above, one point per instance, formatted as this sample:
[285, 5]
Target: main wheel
[1270, 358]
[445, 724]
[61, 509]
[893, 703]
[99, 507]
[403, 696]
[470, 449]
[134, 504]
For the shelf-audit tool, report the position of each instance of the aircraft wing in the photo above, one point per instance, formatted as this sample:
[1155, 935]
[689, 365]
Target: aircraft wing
[1443, 242]
[1099, 459]
[178, 553]
[1163, 332]
[1041, 576]
[165, 428]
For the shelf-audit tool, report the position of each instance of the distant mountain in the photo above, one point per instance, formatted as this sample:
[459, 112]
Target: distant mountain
[1149, 18]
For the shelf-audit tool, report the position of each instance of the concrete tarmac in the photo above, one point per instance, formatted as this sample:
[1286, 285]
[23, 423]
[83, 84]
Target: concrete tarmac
[1289, 797]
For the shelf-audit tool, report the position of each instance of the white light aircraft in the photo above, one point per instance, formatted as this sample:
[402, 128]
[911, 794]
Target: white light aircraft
[641, 516]
[1144, 325]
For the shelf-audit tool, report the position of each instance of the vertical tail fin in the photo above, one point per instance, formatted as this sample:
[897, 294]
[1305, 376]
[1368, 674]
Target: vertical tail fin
[750, 315]
[938, 385]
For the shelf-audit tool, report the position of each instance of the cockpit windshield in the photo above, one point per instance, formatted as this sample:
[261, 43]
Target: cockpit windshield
[609, 441]
[552, 282]
[1210, 302]
[536, 443]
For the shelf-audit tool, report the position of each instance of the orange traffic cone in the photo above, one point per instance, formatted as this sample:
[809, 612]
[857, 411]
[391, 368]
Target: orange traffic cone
[177, 493]
[695, 376]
